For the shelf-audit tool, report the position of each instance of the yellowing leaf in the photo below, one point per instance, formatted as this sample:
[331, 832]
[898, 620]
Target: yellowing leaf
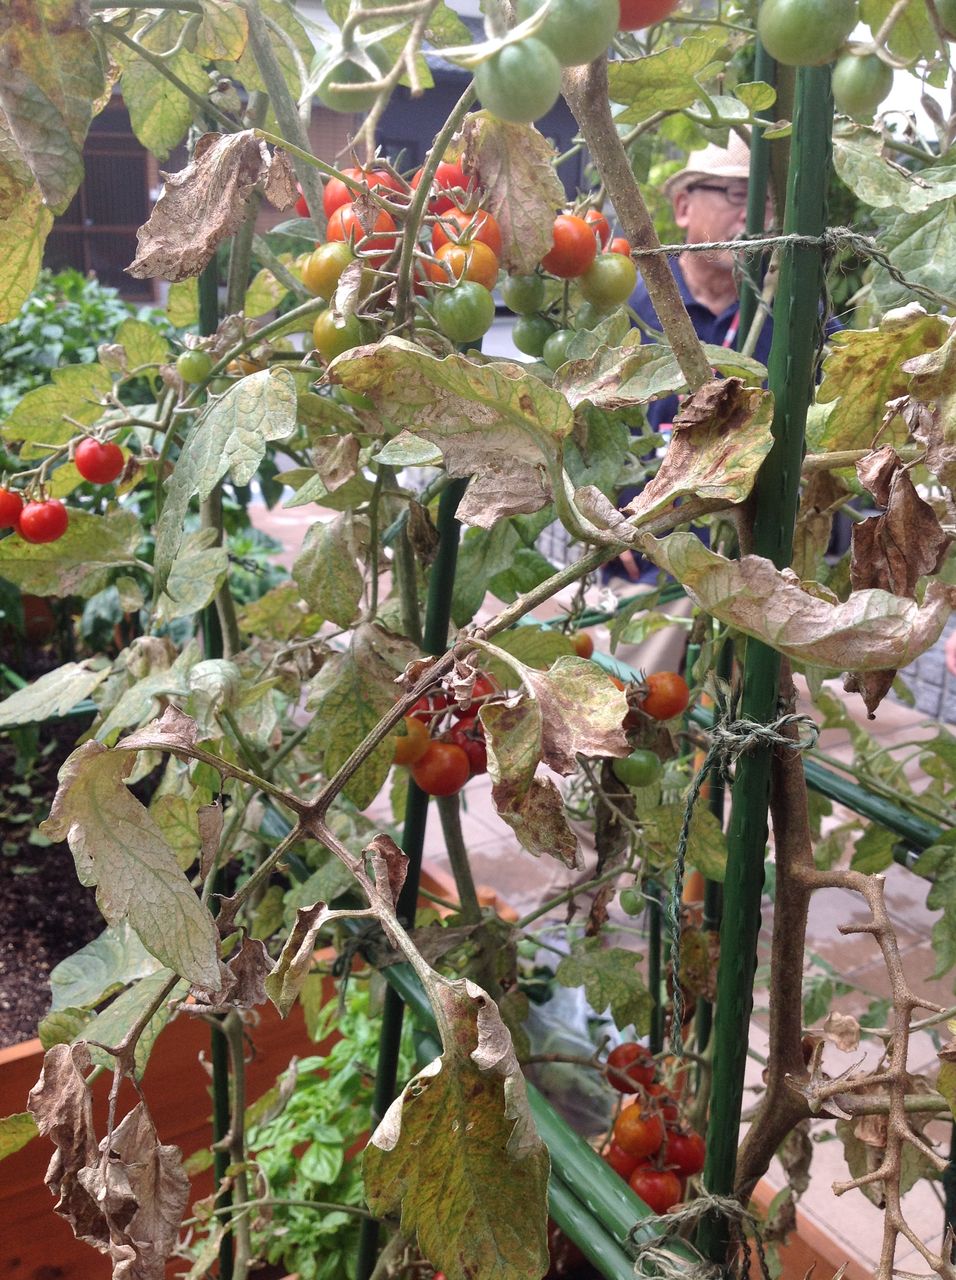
[223, 31]
[25, 223]
[51, 695]
[159, 112]
[326, 570]
[119, 848]
[77, 563]
[15, 1132]
[76, 390]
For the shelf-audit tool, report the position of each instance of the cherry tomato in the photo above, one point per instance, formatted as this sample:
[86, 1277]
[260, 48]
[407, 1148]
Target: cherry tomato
[344, 225]
[430, 708]
[860, 84]
[620, 245]
[640, 769]
[805, 33]
[583, 644]
[573, 247]
[411, 744]
[464, 262]
[448, 178]
[600, 226]
[637, 14]
[556, 348]
[631, 902]
[442, 770]
[301, 205]
[576, 31]
[336, 193]
[324, 268]
[664, 695]
[662, 1101]
[620, 1161]
[523, 294]
[194, 366]
[519, 83]
[631, 1065]
[469, 735]
[609, 281]
[331, 335]
[466, 228]
[466, 312]
[44, 521]
[11, 507]
[346, 71]
[685, 1153]
[530, 333]
[638, 1133]
[660, 1189]
[100, 463]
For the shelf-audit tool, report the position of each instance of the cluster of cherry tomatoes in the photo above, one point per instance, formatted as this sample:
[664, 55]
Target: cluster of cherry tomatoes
[649, 1147]
[45, 519]
[442, 744]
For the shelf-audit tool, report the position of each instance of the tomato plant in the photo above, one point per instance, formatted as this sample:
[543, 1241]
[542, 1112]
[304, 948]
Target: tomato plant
[641, 768]
[631, 1065]
[442, 770]
[465, 312]
[663, 695]
[660, 1189]
[573, 247]
[194, 365]
[521, 82]
[637, 1132]
[804, 33]
[100, 462]
[11, 506]
[43, 521]
[636, 14]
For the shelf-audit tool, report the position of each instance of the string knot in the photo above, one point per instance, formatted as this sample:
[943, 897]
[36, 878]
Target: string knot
[653, 1258]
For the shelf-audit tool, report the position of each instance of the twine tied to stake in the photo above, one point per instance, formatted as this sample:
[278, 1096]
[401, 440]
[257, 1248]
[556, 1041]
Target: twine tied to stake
[729, 740]
[653, 1258]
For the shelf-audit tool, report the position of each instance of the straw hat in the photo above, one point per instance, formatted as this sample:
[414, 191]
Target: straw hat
[732, 161]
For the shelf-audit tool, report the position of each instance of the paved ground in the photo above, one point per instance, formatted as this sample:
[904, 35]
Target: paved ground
[524, 882]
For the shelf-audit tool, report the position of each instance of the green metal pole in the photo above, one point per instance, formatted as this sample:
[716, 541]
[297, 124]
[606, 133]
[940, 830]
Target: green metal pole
[765, 68]
[791, 368]
[437, 617]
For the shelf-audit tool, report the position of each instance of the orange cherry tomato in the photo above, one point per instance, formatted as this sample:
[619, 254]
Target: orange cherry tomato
[620, 1161]
[467, 228]
[638, 1133]
[664, 695]
[583, 644]
[443, 770]
[471, 261]
[412, 743]
[336, 193]
[376, 245]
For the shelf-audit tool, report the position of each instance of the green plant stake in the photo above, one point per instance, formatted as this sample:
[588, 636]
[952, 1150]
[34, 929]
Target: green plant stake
[791, 367]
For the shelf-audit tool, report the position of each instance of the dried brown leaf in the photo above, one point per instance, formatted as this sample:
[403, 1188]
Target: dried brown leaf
[389, 866]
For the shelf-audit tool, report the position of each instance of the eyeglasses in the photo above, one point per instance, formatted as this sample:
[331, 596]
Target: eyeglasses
[735, 196]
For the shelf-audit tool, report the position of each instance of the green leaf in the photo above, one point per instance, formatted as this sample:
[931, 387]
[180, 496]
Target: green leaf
[859, 160]
[264, 294]
[63, 1026]
[756, 95]
[913, 34]
[159, 112]
[706, 844]
[611, 980]
[528, 569]
[143, 343]
[51, 84]
[15, 1132]
[76, 390]
[327, 571]
[98, 970]
[482, 554]
[945, 1084]
[535, 646]
[230, 435]
[223, 31]
[119, 848]
[327, 883]
[466, 1114]
[874, 850]
[290, 43]
[53, 694]
[195, 577]
[914, 1166]
[178, 820]
[922, 246]
[110, 1026]
[280, 614]
[663, 81]
[349, 696]
[446, 28]
[77, 564]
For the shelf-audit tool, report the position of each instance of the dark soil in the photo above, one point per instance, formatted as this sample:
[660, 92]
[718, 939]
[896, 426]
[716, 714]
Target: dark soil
[46, 914]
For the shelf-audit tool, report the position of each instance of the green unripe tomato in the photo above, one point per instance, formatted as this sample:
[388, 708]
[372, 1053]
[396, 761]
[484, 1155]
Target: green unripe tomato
[576, 31]
[860, 84]
[556, 348]
[194, 366]
[523, 294]
[466, 312]
[345, 70]
[520, 82]
[530, 333]
[609, 281]
[806, 33]
[324, 268]
[632, 904]
[332, 335]
[641, 768]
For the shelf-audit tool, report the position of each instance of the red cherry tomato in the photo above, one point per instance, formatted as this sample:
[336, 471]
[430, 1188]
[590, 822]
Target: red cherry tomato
[620, 1161]
[412, 743]
[43, 521]
[684, 1152]
[11, 506]
[448, 177]
[442, 770]
[620, 245]
[336, 193]
[301, 205]
[638, 1132]
[465, 228]
[583, 644]
[660, 1189]
[344, 225]
[630, 1065]
[661, 1101]
[664, 695]
[430, 708]
[599, 225]
[573, 247]
[469, 735]
[98, 463]
[637, 14]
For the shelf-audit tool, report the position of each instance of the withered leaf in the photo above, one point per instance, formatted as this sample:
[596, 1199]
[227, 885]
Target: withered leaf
[285, 981]
[389, 866]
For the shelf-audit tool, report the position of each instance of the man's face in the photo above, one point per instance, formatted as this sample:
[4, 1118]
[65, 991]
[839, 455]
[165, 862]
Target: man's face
[712, 209]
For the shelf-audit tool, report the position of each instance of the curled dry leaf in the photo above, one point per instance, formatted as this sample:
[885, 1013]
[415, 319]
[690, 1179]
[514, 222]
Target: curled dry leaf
[202, 205]
[285, 981]
[842, 1030]
[389, 866]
